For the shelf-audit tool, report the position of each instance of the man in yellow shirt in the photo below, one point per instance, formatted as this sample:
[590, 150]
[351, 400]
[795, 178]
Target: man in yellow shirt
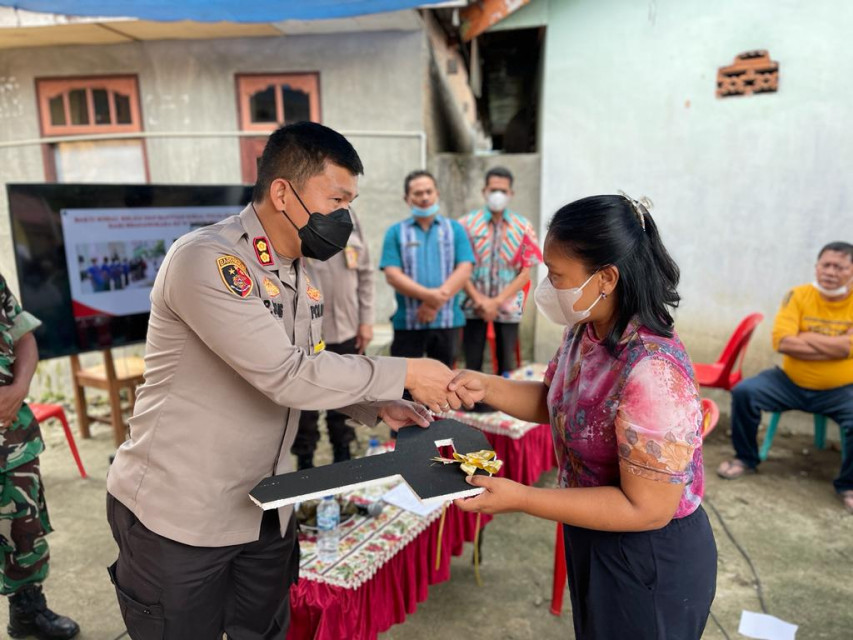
[814, 333]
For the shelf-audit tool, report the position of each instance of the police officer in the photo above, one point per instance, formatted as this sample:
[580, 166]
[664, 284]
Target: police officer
[346, 281]
[234, 353]
[24, 522]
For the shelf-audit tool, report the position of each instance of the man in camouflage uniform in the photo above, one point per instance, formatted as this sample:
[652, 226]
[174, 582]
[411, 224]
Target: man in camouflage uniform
[24, 521]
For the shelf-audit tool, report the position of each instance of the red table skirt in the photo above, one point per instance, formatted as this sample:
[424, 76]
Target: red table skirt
[323, 612]
[320, 611]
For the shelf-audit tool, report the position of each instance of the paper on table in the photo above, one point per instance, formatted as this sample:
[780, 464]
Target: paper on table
[764, 627]
[403, 497]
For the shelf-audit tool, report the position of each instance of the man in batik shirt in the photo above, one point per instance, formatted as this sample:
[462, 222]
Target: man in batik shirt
[505, 246]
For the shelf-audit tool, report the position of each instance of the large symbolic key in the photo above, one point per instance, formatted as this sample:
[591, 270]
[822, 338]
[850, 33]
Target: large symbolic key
[411, 460]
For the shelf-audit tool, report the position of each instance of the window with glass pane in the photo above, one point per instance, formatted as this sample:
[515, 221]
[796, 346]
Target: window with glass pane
[78, 106]
[122, 103]
[101, 102]
[262, 105]
[57, 111]
[297, 105]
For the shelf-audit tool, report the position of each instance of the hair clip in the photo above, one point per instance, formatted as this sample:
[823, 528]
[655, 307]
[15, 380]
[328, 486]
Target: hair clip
[641, 207]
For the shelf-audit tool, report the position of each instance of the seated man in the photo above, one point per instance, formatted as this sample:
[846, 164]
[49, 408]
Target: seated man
[814, 332]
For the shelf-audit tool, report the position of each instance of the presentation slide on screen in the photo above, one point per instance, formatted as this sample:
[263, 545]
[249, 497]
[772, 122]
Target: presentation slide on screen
[113, 254]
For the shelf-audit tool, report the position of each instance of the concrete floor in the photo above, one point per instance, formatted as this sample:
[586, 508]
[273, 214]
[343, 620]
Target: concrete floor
[787, 518]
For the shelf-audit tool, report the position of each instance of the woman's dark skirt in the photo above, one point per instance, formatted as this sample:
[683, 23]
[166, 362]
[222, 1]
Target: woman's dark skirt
[652, 585]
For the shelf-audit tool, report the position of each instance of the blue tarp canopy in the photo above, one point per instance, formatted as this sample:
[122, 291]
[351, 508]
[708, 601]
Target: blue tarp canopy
[215, 10]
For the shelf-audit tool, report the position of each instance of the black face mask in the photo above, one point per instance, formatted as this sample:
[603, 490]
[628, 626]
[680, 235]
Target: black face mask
[323, 235]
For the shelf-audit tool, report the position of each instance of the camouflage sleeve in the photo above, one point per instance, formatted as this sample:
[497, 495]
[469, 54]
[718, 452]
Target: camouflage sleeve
[22, 321]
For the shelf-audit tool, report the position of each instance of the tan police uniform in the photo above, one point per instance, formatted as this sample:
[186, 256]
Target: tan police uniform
[234, 352]
[347, 283]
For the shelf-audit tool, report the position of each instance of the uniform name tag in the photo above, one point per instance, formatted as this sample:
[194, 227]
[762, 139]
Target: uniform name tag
[351, 254]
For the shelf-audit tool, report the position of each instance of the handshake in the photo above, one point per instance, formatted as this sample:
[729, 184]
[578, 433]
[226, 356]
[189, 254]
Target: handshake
[440, 389]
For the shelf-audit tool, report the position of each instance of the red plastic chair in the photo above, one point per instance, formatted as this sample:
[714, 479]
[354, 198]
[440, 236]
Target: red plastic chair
[710, 416]
[44, 412]
[558, 586]
[727, 371]
[490, 336]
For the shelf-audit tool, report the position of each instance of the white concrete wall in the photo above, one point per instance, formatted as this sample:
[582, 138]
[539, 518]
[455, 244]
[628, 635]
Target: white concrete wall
[746, 189]
[368, 82]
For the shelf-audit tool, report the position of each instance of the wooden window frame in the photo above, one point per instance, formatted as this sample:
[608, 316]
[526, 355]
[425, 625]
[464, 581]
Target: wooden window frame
[48, 88]
[247, 84]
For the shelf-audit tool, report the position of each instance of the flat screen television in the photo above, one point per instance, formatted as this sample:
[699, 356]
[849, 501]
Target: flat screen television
[87, 254]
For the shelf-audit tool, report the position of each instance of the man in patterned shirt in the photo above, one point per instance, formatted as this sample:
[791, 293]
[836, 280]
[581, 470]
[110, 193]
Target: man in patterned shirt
[505, 247]
[24, 521]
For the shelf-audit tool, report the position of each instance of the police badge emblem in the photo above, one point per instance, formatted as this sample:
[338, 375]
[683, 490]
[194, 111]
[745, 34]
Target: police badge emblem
[235, 275]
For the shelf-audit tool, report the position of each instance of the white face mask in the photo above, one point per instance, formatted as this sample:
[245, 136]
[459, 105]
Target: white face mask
[558, 305]
[832, 293]
[497, 200]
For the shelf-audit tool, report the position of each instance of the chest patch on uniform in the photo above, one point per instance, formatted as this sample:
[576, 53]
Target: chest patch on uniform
[313, 292]
[271, 287]
[262, 250]
[234, 275]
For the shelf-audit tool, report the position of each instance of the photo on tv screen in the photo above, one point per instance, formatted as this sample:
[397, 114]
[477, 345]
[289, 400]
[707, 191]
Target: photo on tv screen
[87, 255]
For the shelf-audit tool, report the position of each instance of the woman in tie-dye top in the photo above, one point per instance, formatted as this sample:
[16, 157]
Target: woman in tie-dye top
[626, 419]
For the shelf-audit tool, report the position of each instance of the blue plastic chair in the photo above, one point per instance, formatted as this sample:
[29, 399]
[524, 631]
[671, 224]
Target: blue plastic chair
[819, 434]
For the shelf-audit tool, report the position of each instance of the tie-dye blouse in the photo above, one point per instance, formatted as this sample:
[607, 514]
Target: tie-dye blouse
[637, 413]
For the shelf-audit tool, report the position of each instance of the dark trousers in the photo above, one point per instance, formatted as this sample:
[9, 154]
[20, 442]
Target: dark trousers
[439, 344]
[650, 585]
[171, 591]
[474, 340]
[772, 390]
[340, 433]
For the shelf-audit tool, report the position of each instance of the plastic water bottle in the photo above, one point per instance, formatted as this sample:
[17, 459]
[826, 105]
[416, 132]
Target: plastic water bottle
[373, 447]
[328, 535]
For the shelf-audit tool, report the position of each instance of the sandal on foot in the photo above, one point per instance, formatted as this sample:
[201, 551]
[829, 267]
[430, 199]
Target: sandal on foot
[733, 469]
[847, 500]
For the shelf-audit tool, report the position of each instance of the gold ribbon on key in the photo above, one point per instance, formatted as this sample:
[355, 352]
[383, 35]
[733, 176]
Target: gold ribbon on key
[470, 462]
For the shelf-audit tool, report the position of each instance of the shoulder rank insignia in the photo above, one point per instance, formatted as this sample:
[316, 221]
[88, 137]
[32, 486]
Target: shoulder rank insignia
[262, 250]
[271, 287]
[235, 275]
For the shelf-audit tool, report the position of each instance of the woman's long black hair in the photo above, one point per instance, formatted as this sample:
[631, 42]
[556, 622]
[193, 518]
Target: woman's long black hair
[608, 230]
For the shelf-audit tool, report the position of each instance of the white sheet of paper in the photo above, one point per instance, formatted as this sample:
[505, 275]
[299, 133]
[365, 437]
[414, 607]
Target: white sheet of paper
[764, 627]
[404, 498]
